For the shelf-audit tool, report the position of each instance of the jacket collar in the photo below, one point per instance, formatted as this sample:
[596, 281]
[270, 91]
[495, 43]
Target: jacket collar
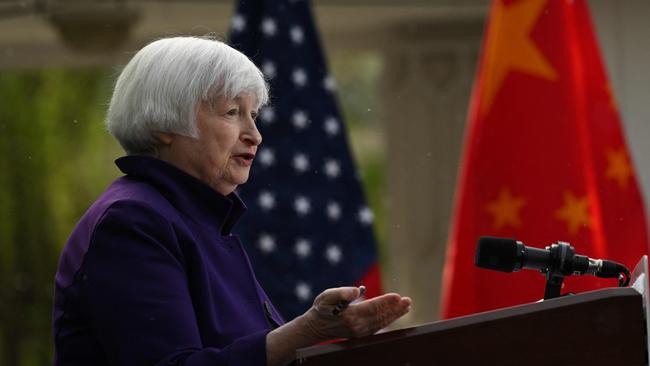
[188, 194]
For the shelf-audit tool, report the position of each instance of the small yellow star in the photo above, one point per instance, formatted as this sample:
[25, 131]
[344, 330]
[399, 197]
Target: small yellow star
[619, 168]
[508, 46]
[505, 209]
[575, 212]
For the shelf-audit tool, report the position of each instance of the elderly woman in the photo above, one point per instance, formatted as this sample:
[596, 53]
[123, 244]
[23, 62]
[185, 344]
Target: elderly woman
[152, 275]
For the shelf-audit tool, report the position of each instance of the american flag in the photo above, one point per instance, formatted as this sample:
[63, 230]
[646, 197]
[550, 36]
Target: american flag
[308, 227]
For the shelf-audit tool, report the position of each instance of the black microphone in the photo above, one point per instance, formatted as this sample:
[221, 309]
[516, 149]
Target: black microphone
[510, 255]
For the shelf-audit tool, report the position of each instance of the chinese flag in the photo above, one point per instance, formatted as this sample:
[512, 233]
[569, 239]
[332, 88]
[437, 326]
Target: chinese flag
[545, 159]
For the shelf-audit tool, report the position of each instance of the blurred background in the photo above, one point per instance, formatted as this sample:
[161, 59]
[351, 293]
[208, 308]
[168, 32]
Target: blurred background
[404, 71]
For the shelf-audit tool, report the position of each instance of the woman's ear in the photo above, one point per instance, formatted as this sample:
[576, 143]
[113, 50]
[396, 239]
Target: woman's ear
[164, 137]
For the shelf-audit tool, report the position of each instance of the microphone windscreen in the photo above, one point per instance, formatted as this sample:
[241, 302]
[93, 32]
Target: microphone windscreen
[498, 254]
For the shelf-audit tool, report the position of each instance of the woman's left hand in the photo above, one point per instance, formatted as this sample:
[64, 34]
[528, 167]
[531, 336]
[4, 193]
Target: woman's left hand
[357, 319]
[321, 322]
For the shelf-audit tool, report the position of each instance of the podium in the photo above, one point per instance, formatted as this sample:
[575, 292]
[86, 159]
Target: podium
[598, 327]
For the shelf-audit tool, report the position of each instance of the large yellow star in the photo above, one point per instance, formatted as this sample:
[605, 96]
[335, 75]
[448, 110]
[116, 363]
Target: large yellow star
[619, 168]
[508, 46]
[505, 209]
[575, 212]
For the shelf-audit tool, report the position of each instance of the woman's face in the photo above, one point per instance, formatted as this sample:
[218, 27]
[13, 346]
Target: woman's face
[227, 143]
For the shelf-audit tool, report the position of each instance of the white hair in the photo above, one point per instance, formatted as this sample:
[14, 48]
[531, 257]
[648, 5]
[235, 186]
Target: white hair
[162, 86]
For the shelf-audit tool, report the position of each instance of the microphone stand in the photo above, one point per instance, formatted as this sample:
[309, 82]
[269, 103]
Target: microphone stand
[553, 285]
[562, 254]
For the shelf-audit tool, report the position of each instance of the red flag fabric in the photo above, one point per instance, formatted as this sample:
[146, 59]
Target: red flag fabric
[545, 159]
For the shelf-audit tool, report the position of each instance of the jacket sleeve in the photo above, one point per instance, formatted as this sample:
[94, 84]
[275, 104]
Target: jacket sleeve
[137, 298]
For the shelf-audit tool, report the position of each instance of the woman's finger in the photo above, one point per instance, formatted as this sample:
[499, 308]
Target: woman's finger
[371, 307]
[370, 316]
[334, 296]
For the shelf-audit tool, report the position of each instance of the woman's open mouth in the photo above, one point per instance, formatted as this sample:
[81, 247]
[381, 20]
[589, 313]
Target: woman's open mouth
[245, 159]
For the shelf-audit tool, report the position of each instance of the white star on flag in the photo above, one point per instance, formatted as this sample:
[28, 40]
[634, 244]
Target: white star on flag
[266, 200]
[302, 205]
[266, 156]
[333, 211]
[300, 163]
[302, 248]
[297, 36]
[238, 23]
[365, 215]
[329, 83]
[267, 115]
[299, 77]
[266, 243]
[332, 168]
[269, 28]
[268, 69]
[303, 291]
[300, 119]
[333, 254]
[332, 126]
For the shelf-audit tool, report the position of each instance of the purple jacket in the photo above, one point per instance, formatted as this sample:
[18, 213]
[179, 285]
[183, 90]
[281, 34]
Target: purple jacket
[152, 276]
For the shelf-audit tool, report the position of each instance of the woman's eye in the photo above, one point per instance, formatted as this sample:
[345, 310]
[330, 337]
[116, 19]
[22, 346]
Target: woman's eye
[232, 112]
[254, 116]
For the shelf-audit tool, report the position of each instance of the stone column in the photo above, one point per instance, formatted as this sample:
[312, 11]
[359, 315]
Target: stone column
[428, 75]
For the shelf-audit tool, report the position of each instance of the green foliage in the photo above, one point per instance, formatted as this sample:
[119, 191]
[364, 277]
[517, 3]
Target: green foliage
[357, 75]
[54, 159]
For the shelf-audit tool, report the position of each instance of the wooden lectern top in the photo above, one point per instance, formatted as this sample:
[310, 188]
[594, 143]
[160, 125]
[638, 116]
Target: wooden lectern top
[605, 327]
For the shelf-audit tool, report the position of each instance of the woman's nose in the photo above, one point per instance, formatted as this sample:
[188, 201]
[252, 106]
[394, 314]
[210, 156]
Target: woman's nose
[252, 135]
